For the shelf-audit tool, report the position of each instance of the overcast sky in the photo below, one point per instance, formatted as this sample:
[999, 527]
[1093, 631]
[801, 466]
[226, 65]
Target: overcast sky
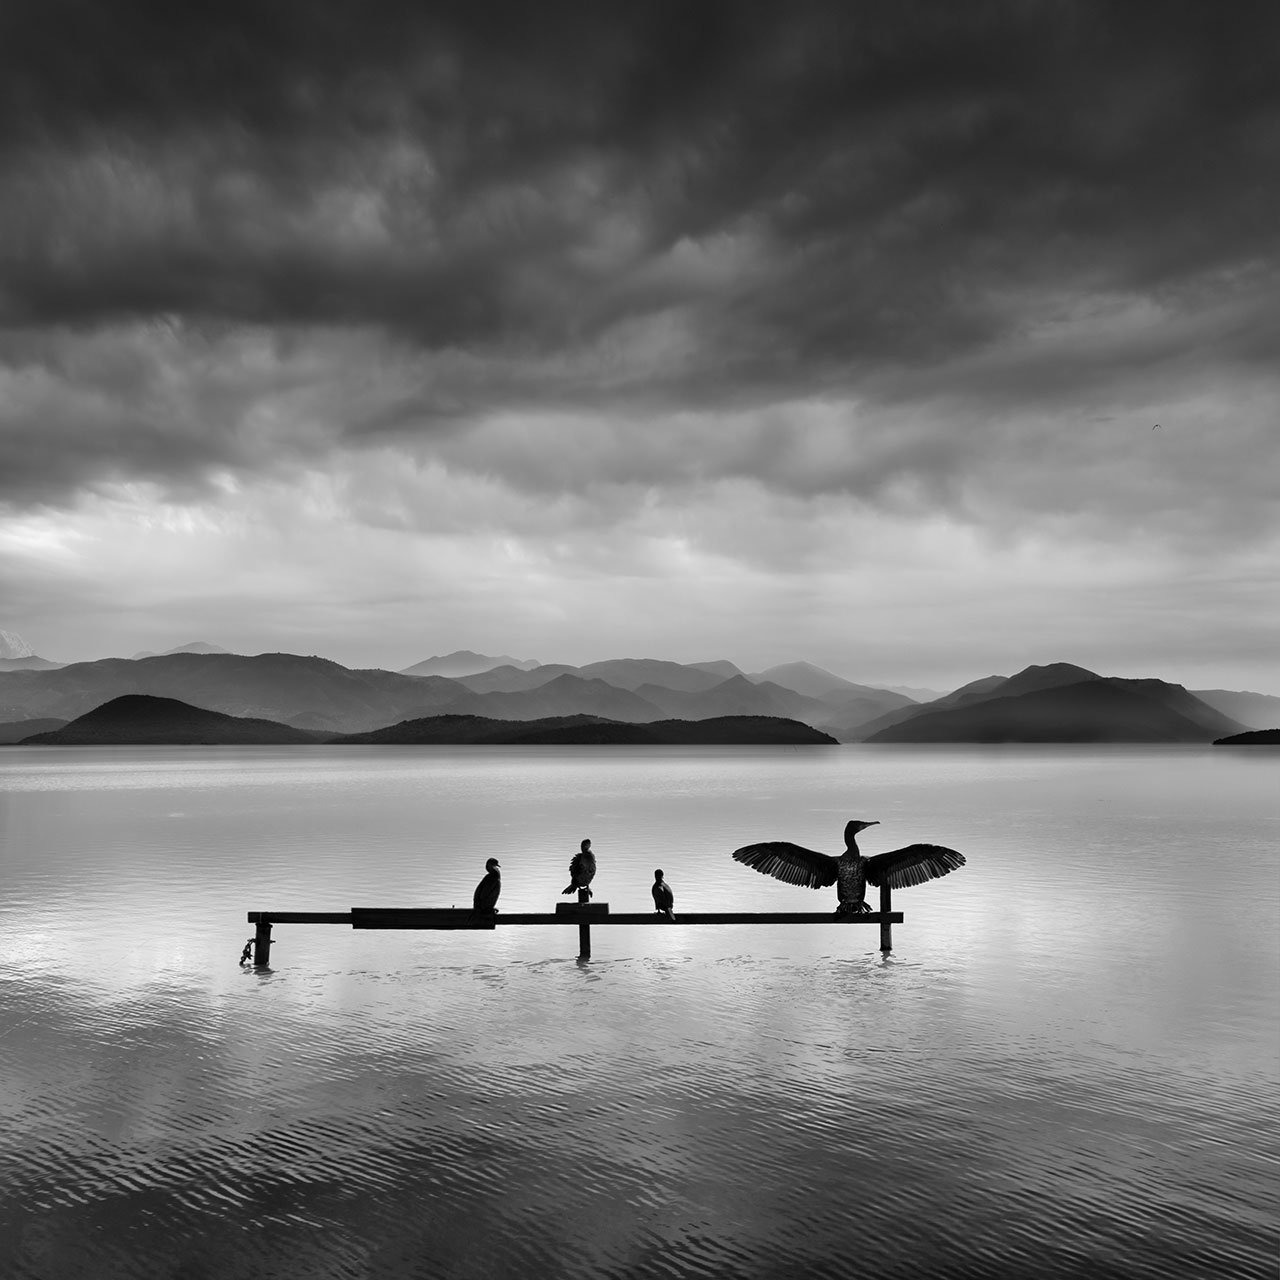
[701, 330]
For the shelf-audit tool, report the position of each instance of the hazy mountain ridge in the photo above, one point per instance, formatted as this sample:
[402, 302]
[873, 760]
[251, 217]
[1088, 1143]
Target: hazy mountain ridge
[13, 731]
[464, 662]
[564, 694]
[194, 646]
[31, 663]
[268, 686]
[1254, 710]
[316, 695]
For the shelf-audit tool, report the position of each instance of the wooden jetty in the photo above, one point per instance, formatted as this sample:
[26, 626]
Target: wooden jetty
[583, 914]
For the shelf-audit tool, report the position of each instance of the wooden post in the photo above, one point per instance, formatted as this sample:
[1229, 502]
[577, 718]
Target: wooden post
[886, 929]
[262, 945]
[584, 929]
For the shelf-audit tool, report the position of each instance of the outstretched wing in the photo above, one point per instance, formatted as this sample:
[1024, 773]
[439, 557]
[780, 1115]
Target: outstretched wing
[789, 862]
[901, 868]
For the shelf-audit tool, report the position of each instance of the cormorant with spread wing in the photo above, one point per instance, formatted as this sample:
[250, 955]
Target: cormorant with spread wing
[850, 872]
[582, 870]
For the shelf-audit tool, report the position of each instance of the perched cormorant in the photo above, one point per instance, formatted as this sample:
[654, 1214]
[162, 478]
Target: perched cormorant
[850, 872]
[582, 870]
[486, 896]
[663, 898]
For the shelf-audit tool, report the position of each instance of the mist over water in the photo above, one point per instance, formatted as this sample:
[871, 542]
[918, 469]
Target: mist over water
[1068, 1065]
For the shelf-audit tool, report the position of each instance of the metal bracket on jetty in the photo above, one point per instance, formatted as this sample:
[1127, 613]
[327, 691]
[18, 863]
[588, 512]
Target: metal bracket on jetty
[583, 914]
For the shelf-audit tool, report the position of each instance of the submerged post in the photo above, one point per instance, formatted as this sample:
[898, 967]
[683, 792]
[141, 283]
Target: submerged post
[886, 929]
[584, 929]
[262, 945]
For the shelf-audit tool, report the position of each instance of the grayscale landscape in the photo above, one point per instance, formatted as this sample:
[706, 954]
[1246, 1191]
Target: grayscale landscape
[639, 642]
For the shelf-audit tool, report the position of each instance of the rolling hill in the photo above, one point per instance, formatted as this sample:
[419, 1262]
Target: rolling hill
[141, 720]
[594, 730]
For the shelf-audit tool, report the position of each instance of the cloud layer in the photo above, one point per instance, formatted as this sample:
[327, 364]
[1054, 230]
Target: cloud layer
[727, 272]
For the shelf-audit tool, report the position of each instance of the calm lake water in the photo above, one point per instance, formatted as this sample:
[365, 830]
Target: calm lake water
[1069, 1065]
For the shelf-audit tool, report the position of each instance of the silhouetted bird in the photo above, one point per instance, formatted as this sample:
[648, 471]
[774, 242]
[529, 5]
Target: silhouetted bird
[850, 872]
[663, 898]
[486, 896]
[582, 870]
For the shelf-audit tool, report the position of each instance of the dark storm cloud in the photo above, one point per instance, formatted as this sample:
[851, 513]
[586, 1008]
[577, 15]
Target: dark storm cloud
[874, 199]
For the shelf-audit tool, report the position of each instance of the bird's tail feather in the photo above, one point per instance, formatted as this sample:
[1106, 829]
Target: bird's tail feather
[570, 889]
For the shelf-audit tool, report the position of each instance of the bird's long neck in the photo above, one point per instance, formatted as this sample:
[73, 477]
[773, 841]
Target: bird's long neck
[851, 848]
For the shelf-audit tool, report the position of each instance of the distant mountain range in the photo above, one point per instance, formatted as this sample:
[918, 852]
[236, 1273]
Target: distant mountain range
[31, 663]
[318, 695]
[1058, 702]
[196, 646]
[464, 663]
[142, 720]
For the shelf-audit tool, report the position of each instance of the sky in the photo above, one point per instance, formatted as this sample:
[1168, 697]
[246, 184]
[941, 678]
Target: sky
[824, 332]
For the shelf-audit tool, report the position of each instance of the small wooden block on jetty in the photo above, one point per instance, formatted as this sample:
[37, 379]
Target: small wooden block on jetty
[582, 908]
[421, 918]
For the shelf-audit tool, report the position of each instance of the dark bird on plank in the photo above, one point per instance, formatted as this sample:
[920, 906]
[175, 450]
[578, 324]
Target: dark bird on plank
[850, 872]
[486, 895]
[582, 871]
[663, 899]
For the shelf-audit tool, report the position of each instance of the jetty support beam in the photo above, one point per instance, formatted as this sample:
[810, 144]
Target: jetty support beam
[886, 919]
[262, 944]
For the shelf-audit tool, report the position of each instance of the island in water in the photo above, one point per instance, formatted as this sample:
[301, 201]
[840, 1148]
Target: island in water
[137, 719]
[1255, 738]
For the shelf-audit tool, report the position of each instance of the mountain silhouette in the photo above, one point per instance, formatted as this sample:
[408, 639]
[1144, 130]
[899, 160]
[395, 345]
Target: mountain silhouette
[594, 730]
[1254, 738]
[138, 719]
[1095, 710]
